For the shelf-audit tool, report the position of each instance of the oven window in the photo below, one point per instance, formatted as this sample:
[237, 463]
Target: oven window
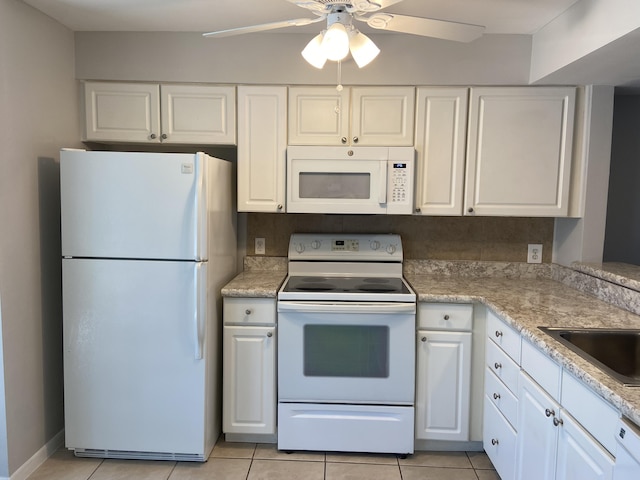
[334, 185]
[346, 351]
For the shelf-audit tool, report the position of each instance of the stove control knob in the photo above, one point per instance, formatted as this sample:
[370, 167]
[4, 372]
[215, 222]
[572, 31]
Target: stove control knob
[300, 248]
[391, 249]
[315, 244]
[375, 245]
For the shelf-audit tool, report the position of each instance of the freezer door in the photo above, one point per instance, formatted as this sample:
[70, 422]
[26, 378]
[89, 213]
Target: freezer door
[133, 205]
[135, 358]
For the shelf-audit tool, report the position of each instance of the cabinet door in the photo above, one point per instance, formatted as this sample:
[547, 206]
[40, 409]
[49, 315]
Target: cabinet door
[441, 135]
[382, 116]
[499, 441]
[537, 436]
[580, 457]
[519, 151]
[318, 116]
[124, 112]
[443, 385]
[262, 148]
[249, 393]
[201, 114]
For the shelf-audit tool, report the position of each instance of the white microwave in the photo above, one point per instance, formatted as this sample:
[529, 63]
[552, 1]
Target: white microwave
[350, 180]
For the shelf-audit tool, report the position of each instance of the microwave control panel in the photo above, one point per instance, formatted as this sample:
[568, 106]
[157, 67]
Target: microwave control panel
[400, 187]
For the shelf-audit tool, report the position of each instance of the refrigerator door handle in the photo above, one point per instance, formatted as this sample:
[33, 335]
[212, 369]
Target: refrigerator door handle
[201, 207]
[200, 309]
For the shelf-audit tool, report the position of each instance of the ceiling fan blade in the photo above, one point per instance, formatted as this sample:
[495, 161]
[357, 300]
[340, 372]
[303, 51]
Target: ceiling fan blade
[298, 22]
[372, 5]
[426, 27]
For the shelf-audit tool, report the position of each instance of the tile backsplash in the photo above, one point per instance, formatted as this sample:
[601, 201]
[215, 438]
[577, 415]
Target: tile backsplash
[502, 239]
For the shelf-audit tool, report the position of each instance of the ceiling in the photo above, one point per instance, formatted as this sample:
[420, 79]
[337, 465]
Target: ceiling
[498, 16]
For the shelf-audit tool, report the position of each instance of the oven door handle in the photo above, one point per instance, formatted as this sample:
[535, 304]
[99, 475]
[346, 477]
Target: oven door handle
[337, 307]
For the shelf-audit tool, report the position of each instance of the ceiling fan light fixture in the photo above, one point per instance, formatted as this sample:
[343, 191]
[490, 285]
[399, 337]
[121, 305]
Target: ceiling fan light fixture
[363, 50]
[335, 43]
[314, 53]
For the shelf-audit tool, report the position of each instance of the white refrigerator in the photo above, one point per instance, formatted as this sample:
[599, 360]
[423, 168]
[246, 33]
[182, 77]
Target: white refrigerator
[148, 240]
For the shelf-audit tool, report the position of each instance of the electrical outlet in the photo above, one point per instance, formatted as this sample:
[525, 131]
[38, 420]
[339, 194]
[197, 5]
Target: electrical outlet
[260, 246]
[534, 253]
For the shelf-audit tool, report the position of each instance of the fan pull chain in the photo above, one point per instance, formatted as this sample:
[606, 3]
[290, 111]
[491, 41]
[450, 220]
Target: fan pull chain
[339, 86]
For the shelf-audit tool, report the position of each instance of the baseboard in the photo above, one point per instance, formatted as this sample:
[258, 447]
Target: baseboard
[38, 458]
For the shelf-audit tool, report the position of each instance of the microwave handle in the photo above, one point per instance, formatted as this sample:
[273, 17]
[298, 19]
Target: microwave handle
[382, 191]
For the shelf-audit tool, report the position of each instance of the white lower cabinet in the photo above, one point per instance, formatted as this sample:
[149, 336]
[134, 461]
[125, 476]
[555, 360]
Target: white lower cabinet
[443, 385]
[551, 444]
[499, 440]
[443, 372]
[249, 366]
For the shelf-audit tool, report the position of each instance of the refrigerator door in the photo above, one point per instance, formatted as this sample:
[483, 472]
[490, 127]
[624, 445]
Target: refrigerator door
[135, 356]
[133, 205]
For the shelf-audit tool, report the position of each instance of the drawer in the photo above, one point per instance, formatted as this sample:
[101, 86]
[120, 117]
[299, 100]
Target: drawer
[591, 411]
[445, 316]
[542, 369]
[503, 366]
[249, 311]
[499, 441]
[501, 397]
[505, 336]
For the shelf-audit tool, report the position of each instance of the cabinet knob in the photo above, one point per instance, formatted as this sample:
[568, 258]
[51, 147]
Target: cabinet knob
[418, 210]
[423, 339]
[279, 206]
[355, 139]
[496, 396]
[549, 413]
[153, 136]
[557, 421]
[164, 136]
[446, 317]
[494, 441]
[248, 311]
[497, 366]
[498, 333]
[343, 140]
[470, 210]
[269, 334]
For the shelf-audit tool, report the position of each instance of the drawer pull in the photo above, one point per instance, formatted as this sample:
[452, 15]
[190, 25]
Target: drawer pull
[549, 413]
[248, 311]
[494, 441]
[497, 365]
[496, 396]
[557, 421]
[498, 333]
[446, 317]
[269, 334]
[423, 339]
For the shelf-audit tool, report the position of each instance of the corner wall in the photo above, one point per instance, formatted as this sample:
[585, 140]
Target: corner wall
[38, 115]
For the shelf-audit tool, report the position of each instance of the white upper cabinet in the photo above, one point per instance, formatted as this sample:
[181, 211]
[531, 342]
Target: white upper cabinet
[127, 112]
[519, 151]
[262, 148]
[441, 135]
[152, 113]
[370, 116]
[201, 114]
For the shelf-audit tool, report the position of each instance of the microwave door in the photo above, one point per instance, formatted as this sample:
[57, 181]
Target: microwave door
[336, 186]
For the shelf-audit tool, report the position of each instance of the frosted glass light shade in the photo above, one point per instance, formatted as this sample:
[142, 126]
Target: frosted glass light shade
[314, 53]
[335, 43]
[363, 50]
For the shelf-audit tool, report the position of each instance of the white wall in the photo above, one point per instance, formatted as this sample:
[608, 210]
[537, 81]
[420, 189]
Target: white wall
[274, 58]
[38, 115]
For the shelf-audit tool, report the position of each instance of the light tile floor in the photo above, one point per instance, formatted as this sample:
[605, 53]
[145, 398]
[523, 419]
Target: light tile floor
[250, 461]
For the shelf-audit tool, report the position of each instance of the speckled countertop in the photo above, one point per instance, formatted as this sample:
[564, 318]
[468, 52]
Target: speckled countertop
[527, 304]
[524, 299]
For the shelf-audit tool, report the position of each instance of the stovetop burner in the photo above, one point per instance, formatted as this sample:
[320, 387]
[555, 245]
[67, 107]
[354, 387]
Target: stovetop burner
[345, 285]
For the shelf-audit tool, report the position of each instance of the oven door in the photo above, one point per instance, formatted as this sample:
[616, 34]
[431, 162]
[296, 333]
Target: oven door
[346, 352]
[337, 180]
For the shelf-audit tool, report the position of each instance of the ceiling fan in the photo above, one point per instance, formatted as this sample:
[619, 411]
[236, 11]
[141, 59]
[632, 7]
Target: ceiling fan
[341, 36]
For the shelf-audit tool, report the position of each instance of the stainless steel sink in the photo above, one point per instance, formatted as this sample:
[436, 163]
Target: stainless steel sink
[615, 351]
